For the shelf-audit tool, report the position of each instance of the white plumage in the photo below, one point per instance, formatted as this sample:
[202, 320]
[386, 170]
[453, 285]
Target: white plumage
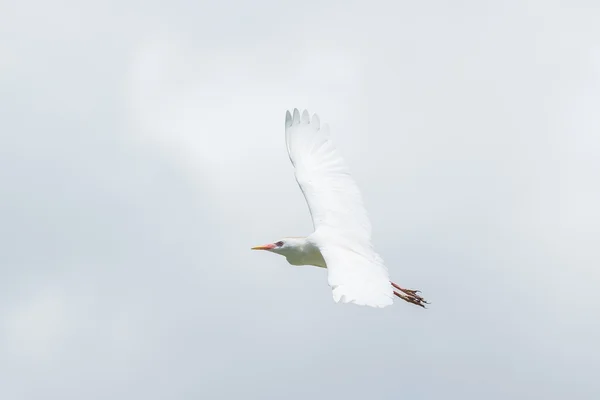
[341, 241]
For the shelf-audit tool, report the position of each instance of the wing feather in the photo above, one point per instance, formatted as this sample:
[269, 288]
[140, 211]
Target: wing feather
[356, 273]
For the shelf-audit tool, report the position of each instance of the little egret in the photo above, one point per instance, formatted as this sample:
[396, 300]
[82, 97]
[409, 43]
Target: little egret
[341, 241]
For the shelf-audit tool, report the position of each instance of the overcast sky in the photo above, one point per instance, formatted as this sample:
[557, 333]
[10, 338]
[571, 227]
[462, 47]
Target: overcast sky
[142, 154]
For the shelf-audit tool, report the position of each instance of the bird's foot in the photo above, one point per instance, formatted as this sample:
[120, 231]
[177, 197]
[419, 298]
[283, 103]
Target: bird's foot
[409, 295]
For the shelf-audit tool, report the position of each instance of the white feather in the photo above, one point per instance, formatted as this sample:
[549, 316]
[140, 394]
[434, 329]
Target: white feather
[356, 273]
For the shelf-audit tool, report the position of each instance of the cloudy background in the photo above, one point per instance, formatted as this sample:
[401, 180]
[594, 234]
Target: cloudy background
[142, 155]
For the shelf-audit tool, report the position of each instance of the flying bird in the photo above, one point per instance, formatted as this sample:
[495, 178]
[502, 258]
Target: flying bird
[341, 241]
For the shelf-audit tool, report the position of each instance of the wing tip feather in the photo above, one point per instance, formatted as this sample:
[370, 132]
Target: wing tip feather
[316, 121]
[305, 118]
[295, 117]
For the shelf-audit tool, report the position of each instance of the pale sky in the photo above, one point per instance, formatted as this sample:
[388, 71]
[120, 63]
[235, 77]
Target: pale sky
[142, 154]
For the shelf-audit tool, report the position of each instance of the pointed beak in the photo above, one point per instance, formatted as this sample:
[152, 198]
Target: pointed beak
[264, 247]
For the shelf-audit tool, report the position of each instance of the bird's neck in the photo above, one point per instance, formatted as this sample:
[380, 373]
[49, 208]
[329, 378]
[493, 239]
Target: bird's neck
[303, 252]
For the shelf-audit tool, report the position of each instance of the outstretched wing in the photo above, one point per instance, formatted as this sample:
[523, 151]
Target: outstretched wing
[356, 273]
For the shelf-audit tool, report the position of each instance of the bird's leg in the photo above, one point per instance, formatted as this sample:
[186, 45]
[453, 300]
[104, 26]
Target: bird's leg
[409, 295]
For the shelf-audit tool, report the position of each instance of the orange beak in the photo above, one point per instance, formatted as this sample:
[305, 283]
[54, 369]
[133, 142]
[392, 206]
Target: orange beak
[264, 247]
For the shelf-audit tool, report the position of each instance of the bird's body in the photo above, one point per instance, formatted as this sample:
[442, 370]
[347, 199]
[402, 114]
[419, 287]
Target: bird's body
[341, 241]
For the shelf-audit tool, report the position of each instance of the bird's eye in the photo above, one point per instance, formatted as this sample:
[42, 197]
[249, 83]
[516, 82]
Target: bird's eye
[279, 244]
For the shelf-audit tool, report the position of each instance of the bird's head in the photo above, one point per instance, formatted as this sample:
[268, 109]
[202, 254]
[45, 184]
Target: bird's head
[282, 246]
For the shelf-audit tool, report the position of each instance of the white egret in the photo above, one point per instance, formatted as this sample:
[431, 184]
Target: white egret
[341, 241]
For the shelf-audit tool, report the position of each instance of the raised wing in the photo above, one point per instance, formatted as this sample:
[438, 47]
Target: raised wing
[342, 227]
[333, 198]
